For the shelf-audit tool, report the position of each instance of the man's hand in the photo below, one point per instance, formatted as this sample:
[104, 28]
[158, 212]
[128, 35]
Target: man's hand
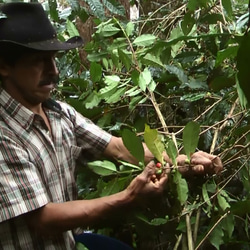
[148, 182]
[200, 163]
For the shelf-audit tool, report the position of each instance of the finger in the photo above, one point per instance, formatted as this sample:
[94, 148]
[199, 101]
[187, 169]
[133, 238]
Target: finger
[205, 155]
[167, 168]
[149, 170]
[163, 180]
[198, 159]
[218, 165]
[198, 169]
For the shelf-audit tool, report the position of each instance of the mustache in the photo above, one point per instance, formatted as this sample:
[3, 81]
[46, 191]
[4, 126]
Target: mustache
[49, 80]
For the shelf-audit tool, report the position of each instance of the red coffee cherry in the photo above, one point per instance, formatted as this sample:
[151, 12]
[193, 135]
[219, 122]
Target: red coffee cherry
[158, 165]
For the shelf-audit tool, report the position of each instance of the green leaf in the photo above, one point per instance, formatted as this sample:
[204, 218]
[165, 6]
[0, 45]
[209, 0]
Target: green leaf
[129, 165]
[205, 195]
[241, 208]
[158, 221]
[187, 23]
[133, 91]
[130, 28]
[178, 72]
[71, 29]
[111, 86]
[216, 236]
[97, 56]
[227, 5]
[124, 57]
[53, 10]
[95, 72]
[144, 79]
[150, 59]
[108, 30]
[114, 186]
[144, 40]
[153, 222]
[181, 187]
[242, 97]
[2, 15]
[133, 143]
[92, 101]
[154, 143]
[97, 8]
[114, 7]
[196, 4]
[172, 151]
[103, 168]
[224, 54]
[222, 202]
[243, 62]
[191, 138]
[116, 96]
[80, 246]
[228, 224]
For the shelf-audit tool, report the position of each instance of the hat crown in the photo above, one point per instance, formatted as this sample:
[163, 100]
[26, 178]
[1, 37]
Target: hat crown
[25, 23]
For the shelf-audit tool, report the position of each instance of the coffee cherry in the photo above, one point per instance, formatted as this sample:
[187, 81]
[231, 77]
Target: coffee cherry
[158, 165]
[159, 171]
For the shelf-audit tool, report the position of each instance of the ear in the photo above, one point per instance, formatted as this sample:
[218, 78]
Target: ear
[4, 68]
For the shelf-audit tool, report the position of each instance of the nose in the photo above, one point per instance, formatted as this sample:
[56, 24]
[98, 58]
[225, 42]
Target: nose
[51, 66]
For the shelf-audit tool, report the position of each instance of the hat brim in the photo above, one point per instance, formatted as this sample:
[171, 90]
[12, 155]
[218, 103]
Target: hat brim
[51, 45]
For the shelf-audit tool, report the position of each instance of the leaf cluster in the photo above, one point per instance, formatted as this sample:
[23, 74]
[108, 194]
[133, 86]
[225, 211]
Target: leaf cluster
[182, 62]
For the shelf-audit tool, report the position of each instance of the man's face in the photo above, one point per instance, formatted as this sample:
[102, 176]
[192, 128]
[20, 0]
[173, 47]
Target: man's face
[31, 79]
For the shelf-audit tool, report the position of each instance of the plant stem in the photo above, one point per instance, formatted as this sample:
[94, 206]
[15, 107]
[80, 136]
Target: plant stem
[189, 233]
[178, 242]
[196, 225]
[158, 111]
[210, 231]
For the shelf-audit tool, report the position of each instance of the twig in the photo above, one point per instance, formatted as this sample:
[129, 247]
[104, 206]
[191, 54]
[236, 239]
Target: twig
[158, 111]
[189, 233]
[223, 125]
[178, 242]
[210, 231]
[196, 225]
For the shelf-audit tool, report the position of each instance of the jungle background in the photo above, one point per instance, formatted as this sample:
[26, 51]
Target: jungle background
[164, 64]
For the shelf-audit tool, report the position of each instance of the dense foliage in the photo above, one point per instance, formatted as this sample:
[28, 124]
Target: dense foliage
[184, 61]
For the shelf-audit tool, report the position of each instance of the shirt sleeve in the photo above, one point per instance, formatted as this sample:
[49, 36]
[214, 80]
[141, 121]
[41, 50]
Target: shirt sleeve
[92, 139]
[21, 189]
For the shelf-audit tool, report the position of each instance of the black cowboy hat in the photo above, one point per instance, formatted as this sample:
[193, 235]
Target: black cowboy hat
[27, 25]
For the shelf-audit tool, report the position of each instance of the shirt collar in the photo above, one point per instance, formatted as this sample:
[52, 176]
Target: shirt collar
[20, 113]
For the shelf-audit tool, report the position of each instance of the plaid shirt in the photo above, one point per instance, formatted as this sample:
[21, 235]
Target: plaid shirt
[37, 168]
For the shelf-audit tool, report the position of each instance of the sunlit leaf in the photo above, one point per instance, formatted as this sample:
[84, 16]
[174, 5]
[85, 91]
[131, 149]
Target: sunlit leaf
[102, 168]
[144, 40]
[130, 28]
[92, 101]
[154, 143]
[172, 151]
[144, 79]
[71, 28]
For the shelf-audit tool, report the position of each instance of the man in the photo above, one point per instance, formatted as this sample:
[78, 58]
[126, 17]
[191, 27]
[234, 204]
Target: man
[40, 141]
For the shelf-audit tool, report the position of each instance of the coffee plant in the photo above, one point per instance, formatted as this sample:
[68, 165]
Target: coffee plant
[177, 79]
